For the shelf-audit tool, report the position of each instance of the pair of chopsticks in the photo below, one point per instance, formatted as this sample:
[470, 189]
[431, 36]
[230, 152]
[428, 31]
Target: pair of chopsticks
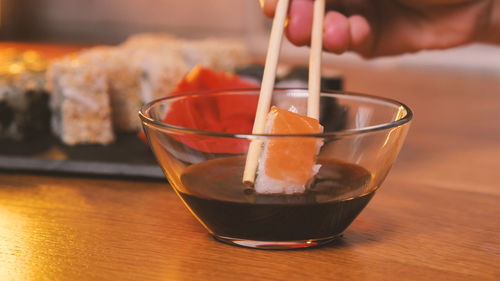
[269, 77]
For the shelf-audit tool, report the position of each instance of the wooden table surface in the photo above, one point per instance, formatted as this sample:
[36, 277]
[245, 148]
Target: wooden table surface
[436, 217]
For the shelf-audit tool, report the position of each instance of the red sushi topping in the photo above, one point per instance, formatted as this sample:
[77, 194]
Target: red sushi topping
[229, 114]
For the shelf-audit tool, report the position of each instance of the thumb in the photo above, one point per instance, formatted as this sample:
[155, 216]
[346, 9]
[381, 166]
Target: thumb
[268, 7]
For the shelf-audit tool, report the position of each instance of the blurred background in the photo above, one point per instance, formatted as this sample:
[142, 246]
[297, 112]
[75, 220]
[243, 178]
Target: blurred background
[111, 21]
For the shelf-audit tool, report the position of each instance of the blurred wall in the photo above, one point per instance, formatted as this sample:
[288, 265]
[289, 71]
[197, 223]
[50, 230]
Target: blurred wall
[110, 21]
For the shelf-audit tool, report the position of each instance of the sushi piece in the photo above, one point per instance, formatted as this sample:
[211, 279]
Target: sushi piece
[81, 110]
[287, 165]
[24, 110]
[123, 84]
[158, 59]
[159, 71]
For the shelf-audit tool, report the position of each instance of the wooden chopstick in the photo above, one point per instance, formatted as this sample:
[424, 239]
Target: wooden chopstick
[269, 77]
[266, 90]
[314, 84]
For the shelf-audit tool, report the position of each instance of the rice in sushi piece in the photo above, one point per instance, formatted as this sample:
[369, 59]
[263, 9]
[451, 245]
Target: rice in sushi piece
[287, 165]
[218, 54]
[151, 41]
[159, 71]
[123, 84]
[81, 110]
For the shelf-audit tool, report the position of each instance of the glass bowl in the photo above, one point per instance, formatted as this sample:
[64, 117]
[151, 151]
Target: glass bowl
[201, 139]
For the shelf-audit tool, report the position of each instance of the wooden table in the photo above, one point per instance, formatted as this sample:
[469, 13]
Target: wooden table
[437, 216]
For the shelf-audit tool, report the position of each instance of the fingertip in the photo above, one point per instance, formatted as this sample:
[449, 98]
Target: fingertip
[268, 7]
[361, 35]
[336, 33]
[299, 25]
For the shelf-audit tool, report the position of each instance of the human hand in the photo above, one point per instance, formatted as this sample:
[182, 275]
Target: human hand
[389, 27]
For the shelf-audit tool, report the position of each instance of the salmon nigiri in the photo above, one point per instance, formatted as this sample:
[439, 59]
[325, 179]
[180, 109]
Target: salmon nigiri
[288, 164]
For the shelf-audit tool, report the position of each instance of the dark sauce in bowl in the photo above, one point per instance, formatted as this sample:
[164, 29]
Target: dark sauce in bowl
[214, 193]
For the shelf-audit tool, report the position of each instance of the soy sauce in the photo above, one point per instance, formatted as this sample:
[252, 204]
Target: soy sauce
[214, 193]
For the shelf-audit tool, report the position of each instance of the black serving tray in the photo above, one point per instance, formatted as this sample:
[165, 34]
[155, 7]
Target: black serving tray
[128, 157]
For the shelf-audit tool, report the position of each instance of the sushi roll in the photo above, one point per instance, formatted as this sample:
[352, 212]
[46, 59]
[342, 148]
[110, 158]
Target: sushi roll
[81, 109]
[288, 165]
[159, 71]
[24, 110]
[123, 85]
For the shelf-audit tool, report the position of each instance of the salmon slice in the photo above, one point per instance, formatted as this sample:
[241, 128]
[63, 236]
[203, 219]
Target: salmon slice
[287, 164]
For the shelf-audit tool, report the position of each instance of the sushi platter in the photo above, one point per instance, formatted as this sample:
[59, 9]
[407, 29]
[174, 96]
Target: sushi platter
[33, 112]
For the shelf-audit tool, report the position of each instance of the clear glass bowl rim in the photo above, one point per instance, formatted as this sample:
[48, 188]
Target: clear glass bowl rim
[144, 116]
